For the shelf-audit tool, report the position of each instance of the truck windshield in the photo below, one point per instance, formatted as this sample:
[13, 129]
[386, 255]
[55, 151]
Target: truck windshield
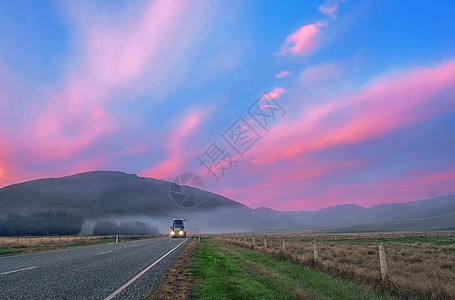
[178, 223]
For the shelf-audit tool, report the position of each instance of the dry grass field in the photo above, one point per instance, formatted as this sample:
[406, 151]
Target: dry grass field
[419, 265]
[19, 245]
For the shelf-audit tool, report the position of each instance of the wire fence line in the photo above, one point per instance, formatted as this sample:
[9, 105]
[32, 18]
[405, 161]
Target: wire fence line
[417, 264]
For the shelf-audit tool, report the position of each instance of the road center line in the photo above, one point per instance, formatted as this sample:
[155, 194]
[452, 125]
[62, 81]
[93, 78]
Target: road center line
[106, 252]
[111, 296]
[20, 270]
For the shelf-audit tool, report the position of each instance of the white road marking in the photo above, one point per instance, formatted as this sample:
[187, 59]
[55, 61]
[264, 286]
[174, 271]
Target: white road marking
[104, 252]
[20, 270]
[111, 296]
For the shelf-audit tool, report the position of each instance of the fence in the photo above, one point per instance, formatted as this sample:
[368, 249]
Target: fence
[398, 260]
[33, 240]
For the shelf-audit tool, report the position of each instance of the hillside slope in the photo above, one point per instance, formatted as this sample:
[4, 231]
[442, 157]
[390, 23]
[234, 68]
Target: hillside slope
[120, 196]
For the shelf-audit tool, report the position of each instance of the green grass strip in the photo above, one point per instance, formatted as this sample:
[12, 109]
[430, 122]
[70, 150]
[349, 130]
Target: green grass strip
[227, 271]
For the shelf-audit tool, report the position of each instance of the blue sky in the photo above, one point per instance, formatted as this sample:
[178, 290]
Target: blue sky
[145, 87]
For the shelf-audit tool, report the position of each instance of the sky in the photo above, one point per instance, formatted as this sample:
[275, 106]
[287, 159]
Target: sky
[291, 105]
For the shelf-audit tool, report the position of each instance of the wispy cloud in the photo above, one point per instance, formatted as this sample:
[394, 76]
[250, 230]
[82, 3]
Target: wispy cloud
[330, 7]
[303, 41]
[383, 107]
[283, 74]
[178, 149]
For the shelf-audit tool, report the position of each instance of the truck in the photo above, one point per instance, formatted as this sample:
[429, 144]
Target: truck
[178, 228]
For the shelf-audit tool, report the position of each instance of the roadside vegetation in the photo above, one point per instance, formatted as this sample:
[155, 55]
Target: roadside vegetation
[179, 279]
[418, 267]
[228, 271]
[13, 245]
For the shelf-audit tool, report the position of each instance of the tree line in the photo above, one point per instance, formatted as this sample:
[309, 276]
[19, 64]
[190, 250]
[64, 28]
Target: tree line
[41, 223]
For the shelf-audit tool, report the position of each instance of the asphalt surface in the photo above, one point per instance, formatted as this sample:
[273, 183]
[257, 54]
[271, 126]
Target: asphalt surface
[89, 272]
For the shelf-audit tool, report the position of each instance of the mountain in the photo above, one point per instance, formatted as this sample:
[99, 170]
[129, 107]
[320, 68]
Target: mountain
[100, 194]
[430, 214]
[108, 195]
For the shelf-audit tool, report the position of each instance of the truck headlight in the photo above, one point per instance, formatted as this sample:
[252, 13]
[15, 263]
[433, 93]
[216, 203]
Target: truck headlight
[172, 232]
[181, 232]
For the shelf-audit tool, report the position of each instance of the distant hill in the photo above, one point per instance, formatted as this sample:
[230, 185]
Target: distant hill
[116, 195]
[99, 194]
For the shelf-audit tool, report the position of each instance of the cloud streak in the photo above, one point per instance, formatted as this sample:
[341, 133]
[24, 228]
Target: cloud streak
[303, 41]
[386, 105]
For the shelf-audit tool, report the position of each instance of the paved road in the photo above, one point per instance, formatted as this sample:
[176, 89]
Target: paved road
[129, 270]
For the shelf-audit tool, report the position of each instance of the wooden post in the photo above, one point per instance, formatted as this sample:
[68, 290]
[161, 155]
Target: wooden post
[265, 243]
[198, 238]
[335, 236]
[30, 240]
[402, 235]
[17, 239]
[315, 251]
[253, 240]
[383, 261]
[244, 238]
[284, 243]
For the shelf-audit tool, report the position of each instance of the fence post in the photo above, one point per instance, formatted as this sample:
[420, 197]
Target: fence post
[253, 240]
[383, 262]
[17, 239]
[244, 238]
[30, 240]
[284, 244]
[265, 242]
[198, 238]
[116, 239]
[315, 251]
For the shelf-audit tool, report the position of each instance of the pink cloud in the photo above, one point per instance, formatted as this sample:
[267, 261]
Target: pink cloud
[411, 186]
[303, 41]
[178, 151]
[383, 107]
[115, 56]
[283, 74]
[276, 93]
[284, 182]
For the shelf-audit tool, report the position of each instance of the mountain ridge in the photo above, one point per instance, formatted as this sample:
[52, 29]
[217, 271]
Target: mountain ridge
[113, 194]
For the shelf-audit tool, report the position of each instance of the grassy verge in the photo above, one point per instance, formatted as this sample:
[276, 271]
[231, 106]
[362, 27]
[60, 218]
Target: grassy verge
[11, 249]
[227, 271]
[179, 279]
